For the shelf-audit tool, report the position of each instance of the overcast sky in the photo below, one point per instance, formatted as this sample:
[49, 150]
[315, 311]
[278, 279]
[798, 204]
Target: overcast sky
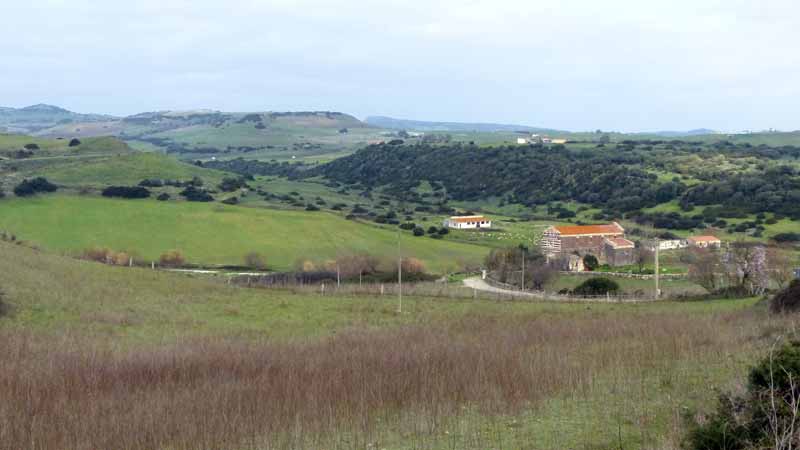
[573, 64]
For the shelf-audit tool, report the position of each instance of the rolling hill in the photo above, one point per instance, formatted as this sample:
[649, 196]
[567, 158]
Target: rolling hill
[35, 118]
[211, 233]
[421, 125]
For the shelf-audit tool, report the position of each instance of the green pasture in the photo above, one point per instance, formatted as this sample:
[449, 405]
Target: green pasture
[212, 233]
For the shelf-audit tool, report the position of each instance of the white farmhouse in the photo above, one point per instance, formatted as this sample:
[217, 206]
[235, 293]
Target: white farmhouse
[467, 222]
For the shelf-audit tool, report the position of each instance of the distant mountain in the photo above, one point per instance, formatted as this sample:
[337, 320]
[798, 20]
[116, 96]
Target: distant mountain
[420, 125]
[38, 117]
[696, 132]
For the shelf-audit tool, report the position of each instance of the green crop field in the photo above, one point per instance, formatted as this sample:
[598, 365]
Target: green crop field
[213, 233]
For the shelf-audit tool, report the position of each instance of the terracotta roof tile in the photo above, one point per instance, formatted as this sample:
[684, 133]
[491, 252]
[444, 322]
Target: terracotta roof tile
[704, 239]
[620, 242]
[577, 230]
[463, 219]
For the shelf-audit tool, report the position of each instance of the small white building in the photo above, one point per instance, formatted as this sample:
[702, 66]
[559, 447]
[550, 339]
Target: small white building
[667, 244]
[467, 222]
[704, 242]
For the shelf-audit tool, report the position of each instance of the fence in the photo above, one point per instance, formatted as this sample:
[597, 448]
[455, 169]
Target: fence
[552, 296]
[429, 289]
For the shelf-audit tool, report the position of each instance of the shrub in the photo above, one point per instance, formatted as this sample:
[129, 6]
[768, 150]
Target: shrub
[2, 194]
[255, 260]
[171, 258]
[31, 147]
[597, 286]
[412, 266]
[162, 197]
[764, 411]
[591, 263]
[408, 226]
[433, 230]
[787, 237]
[231, 201]
[126, 192]
[97, 254]
[194, 194]
[74, 142]
[419, 231]
[151, 182]
[34, 186]
[230, 184]
[312, 207]
[787, 300]
[443, 231]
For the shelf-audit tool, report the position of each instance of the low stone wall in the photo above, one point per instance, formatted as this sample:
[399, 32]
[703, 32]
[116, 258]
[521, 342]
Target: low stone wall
[637, 276]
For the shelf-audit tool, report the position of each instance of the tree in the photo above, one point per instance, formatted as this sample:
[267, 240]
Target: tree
[644, 256]
[705, 267]
[539, 274]
[779, 265]
[74, 142]
[746, 268]
[419, 231]
[597, 286]
[590, 262]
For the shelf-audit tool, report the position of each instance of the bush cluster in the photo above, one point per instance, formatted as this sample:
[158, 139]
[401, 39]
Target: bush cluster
[172, 258]
[126, 192]
[30, 187]
[596, 286]
[107, 256]
[752, 420]
[194, 194]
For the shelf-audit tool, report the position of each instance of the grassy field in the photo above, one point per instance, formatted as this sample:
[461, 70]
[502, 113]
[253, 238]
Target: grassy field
[213, 233]
[60, 147]
[101, 357]
[127, 170]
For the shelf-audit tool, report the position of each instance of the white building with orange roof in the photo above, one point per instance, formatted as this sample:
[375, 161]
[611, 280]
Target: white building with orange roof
[467, 222]
[704, 242]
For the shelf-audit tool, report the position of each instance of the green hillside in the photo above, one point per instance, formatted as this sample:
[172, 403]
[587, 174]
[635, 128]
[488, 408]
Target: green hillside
[126, 170]
[212, 233]
[10, 144]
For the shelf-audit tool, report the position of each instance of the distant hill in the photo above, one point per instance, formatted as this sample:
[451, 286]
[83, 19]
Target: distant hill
[420, 125]
[695, 132]
[34, 118]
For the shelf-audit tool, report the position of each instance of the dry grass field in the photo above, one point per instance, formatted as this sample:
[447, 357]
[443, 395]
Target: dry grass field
[106, 357]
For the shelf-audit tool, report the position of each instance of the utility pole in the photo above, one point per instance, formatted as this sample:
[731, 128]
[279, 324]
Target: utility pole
[523, 268]
[657, 271]
[399, 276]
